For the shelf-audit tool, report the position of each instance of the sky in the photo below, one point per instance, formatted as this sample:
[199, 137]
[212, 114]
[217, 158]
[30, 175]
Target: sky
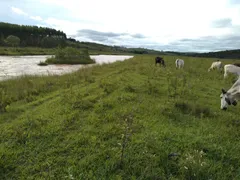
[168, 25]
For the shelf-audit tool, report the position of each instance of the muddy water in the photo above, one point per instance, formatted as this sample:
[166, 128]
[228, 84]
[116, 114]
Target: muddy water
[13, 66]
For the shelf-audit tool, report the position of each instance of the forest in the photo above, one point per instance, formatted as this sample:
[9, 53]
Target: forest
[30, 36]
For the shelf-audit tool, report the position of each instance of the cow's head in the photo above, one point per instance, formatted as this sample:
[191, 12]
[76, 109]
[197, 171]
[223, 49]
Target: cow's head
[227, 100]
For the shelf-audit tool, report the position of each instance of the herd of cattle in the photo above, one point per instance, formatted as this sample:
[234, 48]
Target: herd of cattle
[229, 97]
[179, 62]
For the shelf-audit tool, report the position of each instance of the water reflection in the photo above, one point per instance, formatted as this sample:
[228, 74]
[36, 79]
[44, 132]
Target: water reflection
[13, 66]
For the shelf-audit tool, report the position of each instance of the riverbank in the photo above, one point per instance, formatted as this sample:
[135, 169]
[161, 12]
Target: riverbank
[10, 51]
[20, 51]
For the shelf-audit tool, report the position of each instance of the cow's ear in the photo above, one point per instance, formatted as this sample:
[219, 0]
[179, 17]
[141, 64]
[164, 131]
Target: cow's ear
[223, 91]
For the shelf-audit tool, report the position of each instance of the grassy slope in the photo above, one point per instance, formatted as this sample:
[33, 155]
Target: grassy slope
[121, 121]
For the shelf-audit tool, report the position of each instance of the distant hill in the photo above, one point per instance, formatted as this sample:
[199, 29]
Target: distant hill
[34, 36]
[227, 54]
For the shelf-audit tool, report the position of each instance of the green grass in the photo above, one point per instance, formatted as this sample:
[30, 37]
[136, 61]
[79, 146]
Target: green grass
[10, 51]
[126, 120]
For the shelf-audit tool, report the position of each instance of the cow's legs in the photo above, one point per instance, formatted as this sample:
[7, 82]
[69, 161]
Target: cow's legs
[225, 75]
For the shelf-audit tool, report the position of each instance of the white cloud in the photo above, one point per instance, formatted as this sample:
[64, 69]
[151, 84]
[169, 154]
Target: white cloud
[37, 18]
[165, 20]
[69, 27]
[21, 12]
[18, 11]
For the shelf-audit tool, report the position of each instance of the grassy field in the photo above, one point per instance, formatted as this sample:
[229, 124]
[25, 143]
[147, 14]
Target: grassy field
[126, 120]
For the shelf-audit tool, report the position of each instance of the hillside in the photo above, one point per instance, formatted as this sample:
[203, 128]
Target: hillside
[34, 37]
[126, 120]
[227, 54]
[230, 54]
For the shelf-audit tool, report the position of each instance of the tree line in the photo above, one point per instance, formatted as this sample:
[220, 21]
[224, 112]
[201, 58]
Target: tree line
[227, 54]
[24, 35]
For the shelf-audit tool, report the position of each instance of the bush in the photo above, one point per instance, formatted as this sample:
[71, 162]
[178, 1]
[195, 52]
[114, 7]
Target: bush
[42, 63]
[70, 55]
[13, 40]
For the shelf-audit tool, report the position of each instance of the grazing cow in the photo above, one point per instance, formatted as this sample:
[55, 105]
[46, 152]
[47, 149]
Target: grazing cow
[231, 96]
[179, 63]
[230, 68]
[216, 65]
[159, 60]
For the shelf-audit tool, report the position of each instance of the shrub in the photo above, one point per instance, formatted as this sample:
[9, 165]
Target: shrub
[70, 55]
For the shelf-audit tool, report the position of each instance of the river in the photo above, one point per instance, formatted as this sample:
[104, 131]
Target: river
[14, 66]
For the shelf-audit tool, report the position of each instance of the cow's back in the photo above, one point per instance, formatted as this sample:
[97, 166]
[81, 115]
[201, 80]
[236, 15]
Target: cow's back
[179, 63]
[231, 67]
[236, 64]
[217, 64]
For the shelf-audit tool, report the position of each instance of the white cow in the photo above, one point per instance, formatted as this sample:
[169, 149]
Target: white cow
[231, 96]
[230, 68]
[216, 65]
[179, 63]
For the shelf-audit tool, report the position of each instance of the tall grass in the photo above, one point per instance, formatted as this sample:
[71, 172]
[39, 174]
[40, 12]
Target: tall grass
[126, 120]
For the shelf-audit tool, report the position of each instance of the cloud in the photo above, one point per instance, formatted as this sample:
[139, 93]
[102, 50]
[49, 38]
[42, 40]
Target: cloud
[234, 1]
[37, 18]
[208, 43]
[21, 12]
[138, 36]
[202, 44]
[18, 11]
[222, 23]
[106, 37]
